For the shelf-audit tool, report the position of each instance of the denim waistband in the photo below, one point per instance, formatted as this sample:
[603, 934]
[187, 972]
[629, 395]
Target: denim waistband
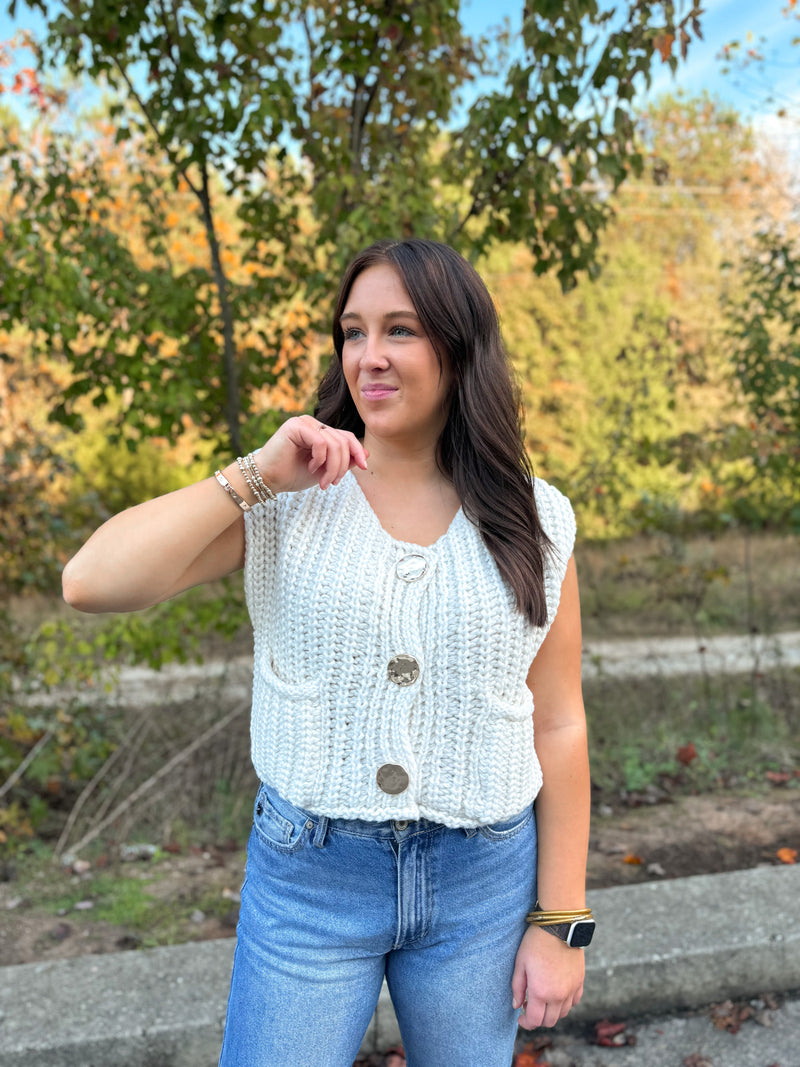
[388, 829]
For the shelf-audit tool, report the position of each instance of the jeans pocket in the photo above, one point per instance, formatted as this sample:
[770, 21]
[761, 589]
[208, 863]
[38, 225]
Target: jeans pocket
[507, 828]
[286, 831]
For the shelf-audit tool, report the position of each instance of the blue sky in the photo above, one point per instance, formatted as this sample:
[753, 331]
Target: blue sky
[723, 21]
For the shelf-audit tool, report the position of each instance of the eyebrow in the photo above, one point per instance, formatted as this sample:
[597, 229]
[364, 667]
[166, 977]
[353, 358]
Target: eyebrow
[386, 318]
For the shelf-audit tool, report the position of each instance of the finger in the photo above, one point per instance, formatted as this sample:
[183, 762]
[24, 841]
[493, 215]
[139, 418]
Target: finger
[337, 459]
[319, 454]
[532, 1015]
[553, 1012]
[519, 985]
[358, 453]
[319, 439]
[341, 462]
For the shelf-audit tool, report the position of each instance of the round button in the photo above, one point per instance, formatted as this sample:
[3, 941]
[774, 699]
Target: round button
[400, 825]
[403, 669]
[392, 778]
[411, 568]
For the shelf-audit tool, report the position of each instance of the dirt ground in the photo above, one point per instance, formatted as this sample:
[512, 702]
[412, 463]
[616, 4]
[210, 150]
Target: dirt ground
[690, 835]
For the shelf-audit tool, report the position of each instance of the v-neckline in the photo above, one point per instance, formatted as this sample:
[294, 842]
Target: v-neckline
[396, 540]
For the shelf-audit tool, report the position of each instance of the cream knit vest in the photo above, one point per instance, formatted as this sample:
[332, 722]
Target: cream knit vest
[333, 599]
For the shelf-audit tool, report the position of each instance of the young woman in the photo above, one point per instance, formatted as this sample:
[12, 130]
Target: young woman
[413, 594]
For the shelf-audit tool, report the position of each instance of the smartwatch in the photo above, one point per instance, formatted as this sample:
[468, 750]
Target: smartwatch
[577, 934]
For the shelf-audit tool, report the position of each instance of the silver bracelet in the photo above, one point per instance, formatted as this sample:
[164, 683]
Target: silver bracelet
[245, 473]
[226, 485]
[264, 490]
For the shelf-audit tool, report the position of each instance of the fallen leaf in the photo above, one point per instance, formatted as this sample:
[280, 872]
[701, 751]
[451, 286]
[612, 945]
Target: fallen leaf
[729, 1016]
[631, 857]
[60, 932]
[609, 1034]
[530, 1054]
[687, 753]
[527, 1058]
[787, 855]
[697, 1060]
[778, 777]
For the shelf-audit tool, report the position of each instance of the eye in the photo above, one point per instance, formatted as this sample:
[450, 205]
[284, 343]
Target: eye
[351, 333]
[401, 331]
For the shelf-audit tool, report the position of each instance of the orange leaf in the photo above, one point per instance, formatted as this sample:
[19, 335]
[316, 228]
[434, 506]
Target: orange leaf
[787, 855]
[663, 45]
[778, 777]
[529, 1057]
[633, 859]
[686, 753]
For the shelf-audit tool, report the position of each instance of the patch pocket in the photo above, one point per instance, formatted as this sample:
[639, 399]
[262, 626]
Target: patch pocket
[274, 829]
[507, 828]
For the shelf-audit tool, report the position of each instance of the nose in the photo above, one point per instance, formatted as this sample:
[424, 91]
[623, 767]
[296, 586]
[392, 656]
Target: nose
[374, 356]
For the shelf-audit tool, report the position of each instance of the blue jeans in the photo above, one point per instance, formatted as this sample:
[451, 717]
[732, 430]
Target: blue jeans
[330, 906]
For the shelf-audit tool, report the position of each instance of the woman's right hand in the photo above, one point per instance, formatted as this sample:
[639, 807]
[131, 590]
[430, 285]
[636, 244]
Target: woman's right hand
[305, 452]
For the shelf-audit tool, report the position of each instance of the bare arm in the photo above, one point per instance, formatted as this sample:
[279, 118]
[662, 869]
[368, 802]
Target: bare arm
[152, 551]
[548, 971]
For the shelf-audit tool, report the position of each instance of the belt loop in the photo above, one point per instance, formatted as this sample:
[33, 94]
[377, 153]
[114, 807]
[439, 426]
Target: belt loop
[318, 840]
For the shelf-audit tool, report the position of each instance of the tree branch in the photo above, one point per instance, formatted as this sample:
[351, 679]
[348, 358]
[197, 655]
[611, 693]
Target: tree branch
[162, 772]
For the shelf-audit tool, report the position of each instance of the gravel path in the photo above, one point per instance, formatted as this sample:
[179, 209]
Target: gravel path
[620, 659]
[230, 680]
[727, 654]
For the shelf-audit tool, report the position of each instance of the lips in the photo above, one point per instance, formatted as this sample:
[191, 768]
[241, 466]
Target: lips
[377, 392]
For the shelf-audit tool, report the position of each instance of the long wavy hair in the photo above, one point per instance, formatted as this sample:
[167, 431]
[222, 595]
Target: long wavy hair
[480, 450]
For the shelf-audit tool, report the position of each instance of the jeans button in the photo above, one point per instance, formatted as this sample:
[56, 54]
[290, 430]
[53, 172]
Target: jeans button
[401, 824]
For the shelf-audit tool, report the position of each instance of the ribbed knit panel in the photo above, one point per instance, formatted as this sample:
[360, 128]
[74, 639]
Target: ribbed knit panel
[329, 612]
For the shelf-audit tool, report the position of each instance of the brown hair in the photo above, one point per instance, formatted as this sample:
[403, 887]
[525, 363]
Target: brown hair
[481, 449]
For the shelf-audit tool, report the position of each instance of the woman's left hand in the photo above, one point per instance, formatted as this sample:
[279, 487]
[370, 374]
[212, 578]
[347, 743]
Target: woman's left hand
[548, 978]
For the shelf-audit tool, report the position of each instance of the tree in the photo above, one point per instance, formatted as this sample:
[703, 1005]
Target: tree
[318, 127]
[631, 404]
[764, 329]
[764, 338]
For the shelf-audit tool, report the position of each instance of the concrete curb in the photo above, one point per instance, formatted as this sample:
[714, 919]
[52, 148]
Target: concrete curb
[659, 946]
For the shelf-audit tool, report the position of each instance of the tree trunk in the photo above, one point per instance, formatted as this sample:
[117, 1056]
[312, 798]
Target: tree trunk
[232, 398]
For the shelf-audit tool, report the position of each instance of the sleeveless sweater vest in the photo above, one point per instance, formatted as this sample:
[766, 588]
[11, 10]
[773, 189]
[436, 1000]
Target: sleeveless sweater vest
[373, 653]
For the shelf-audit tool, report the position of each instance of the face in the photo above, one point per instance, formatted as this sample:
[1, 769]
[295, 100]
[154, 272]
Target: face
[389, 364]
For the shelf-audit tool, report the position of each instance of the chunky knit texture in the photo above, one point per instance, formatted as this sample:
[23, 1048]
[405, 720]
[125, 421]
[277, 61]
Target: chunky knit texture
[329, 612]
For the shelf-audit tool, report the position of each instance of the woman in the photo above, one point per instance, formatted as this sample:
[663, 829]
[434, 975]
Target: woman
[403, 618]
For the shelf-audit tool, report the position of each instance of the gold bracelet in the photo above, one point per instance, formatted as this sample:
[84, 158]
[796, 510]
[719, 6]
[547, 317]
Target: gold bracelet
[538, 917]
[226, 485]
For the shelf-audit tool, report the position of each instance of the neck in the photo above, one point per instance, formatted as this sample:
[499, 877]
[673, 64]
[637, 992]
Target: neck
[401, 463]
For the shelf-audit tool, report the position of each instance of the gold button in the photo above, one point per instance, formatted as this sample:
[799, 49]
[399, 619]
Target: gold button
[400, 825]
[392, 778]
[411, 568]
[403, 669]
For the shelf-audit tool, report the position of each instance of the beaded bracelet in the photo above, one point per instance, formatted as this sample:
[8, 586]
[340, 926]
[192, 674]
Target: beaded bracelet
[244, 470]
[262, 492]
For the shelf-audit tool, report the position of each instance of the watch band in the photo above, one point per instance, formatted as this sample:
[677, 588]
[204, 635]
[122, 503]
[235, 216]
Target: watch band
[577, 934]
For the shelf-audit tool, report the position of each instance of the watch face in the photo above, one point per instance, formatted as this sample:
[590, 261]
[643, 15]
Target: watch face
[581, 933]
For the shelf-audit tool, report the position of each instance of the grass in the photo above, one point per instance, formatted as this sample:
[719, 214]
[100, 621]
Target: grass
[150, 902]
[664, 585]
[690, 733]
